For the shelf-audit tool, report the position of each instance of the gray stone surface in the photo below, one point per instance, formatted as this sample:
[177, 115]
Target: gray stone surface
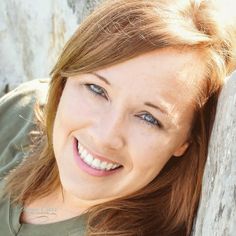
[32, 34]
[217, 211]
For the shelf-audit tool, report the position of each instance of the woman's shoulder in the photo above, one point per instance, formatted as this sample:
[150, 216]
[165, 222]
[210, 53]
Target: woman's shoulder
[17, 120]
[27, 91]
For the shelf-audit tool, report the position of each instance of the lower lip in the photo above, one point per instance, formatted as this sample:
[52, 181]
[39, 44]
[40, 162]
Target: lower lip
[85, 167]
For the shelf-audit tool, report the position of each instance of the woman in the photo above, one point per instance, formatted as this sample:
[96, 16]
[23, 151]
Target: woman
[122, 143]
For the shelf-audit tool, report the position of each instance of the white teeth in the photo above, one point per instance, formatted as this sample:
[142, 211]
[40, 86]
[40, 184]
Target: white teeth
[115, 166]
[103, 165]
[88, 158]
[94, 162]
[84, 153]
[109, 166]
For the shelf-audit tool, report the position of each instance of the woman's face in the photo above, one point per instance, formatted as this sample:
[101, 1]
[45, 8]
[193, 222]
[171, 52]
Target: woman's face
[116, 128]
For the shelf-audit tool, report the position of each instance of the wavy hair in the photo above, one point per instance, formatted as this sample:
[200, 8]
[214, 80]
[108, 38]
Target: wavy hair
[116, 31]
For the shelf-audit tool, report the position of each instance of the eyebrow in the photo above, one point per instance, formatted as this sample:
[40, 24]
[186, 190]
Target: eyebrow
[157, 108]
[146, 103]
[101, 77]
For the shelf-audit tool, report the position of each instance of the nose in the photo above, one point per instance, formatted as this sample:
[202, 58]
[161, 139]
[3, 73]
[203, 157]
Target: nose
[108, 131]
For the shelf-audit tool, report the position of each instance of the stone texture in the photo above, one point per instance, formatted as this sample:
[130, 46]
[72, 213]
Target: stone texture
[32, 34]
[217, 211]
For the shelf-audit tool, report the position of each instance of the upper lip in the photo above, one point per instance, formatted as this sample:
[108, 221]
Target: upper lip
[97, 156]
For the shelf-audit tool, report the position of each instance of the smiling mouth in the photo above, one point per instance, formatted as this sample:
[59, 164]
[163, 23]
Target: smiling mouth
[95, 163]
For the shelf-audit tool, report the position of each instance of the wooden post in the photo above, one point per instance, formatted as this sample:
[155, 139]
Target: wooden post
[217, 211]
[32, 35]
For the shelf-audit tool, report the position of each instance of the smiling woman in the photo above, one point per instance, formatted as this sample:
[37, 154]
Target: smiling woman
[116, 130]
[122, 140]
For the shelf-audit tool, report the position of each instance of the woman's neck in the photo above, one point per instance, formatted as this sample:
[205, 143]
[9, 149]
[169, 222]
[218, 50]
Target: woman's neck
[50, 209]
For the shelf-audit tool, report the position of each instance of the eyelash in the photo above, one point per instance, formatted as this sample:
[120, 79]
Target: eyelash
[155, 123]
[89, 87]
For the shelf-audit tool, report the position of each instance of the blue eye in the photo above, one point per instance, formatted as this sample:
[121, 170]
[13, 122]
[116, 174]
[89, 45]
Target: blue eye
[96, 90]
[150, 120]
[147, 118]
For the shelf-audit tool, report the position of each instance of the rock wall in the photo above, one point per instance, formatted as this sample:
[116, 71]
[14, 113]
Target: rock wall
[32, 34]
[217, 211]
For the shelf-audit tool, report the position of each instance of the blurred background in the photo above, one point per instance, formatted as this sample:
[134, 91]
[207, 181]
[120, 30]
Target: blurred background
[32, 35]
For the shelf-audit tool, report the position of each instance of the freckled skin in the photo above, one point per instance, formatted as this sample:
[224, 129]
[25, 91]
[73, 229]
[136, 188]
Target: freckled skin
[113, 126]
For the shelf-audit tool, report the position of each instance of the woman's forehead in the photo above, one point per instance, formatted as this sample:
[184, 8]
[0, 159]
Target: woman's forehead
[168, 64]
[164, 79]
[169, 73]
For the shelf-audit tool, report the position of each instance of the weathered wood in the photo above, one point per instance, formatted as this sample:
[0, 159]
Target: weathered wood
[217, 211]
[32, 34]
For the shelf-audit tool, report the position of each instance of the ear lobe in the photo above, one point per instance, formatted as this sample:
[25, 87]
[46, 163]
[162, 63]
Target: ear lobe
[181, 150]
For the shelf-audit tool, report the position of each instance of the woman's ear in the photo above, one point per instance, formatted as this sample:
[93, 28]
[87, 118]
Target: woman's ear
[181, 150]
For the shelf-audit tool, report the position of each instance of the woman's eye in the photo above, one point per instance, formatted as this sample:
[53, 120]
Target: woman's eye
[150, 120]
[96, 90]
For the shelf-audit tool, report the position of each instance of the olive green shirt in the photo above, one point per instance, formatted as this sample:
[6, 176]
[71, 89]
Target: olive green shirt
[16, 121]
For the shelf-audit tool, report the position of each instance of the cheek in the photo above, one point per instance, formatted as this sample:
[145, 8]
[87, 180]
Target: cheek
[72, 115]
[74, 111]
[150, 153]
[71, 111]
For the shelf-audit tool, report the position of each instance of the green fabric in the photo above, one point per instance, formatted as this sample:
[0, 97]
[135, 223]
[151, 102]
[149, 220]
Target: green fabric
[16, 121]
